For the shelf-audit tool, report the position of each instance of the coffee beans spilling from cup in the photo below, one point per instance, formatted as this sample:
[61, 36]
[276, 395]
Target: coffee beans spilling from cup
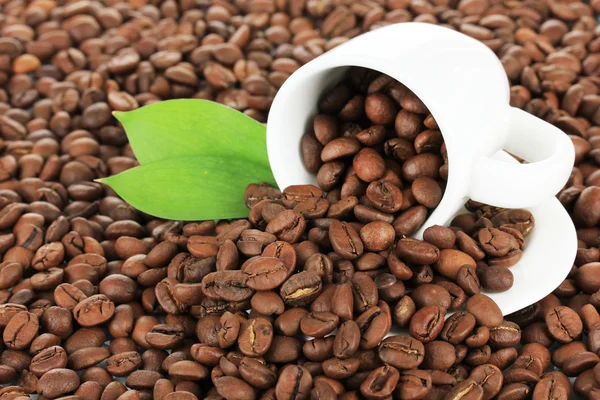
[376, 147]
[100, 301]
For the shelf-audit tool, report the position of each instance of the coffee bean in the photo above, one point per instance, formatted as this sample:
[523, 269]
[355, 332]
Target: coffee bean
[364, 290]
[552, 386]
[123, 364]
[57, 382]
[401, 352]
[377, 235]
[508, 334]
[417, 251]
[188, 370]
[380, 383]
[318, 324]
[294, 382]
[440, 236]
[234, 388]
[265, 273]
[48, 359]
[255, 337]
[347, 340]
[533, 357]
[164, 336]
[288, 226]
[439, 355]
[486, 312]
[345, 241]
[458, 327]
[414, 384]
[87, 357]
[20, 331]
[142, 379]
[385, 196]
[380, 109]
[94, 310]
[427, 191]
[579, 362]
[514, 391]
[467, 389]
[256, 373]
[368, 165]
[428, 294]
[301, 288]
[223, 285]
[336, 368]
[450, 261]
[427, 323]
[564, 324]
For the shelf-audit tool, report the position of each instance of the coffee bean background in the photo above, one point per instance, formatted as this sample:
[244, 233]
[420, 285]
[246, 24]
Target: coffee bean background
[97, 298]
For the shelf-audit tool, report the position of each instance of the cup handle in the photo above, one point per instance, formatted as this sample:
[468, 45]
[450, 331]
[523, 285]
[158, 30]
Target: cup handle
[550, 154]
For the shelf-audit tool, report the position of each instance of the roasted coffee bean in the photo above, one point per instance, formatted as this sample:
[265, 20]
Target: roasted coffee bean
[429, 294]
[552, 386]
[57, 382]
[508, 334]
[401, 352]
[489, 377]
[417, 251]
[164, 336]
[467, 389]
[48, 359]
[385, 196]
[427, 323]
[337, 368]
[414, 384]
[377, 235]
[255, 337]
[123, 364]
[225, 285]
[20, 331]
[345, 240]
[516, 391]
[458, 327]
[374, 325]
[90, 356]
[564, 324]
[380, 383]
[318, 324]
[468, 279]
[450, 261]
[93, 310]
[495, 278]
[265, 273]
[484, 309]
[347, 340]
[533, 357]
[294, 382]
[439, 355]
[256, 373]
[301, 288]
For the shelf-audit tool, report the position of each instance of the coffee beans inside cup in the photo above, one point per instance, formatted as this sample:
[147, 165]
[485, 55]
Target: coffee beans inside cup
[375, 145]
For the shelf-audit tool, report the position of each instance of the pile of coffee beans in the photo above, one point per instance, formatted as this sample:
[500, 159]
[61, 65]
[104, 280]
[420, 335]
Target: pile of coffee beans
[100, 301]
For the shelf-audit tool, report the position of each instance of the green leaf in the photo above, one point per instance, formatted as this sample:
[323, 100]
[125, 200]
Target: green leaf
[188, 127]
[190, 187]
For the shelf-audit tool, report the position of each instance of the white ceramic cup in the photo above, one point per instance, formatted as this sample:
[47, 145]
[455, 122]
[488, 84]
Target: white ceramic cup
[464, 85]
